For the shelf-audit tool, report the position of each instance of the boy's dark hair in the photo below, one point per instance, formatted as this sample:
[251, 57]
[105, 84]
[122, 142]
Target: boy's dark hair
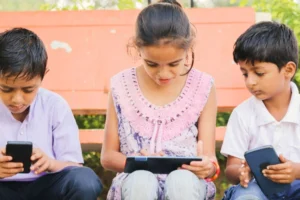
[22, 53]
[267, 42]
[164, 22]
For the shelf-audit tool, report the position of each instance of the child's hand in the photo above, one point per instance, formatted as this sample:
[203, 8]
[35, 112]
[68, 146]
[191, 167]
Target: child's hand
[201, 169]
[281, 173]
[7, 168]
[145, 153]
[245, 174]
[41, 161]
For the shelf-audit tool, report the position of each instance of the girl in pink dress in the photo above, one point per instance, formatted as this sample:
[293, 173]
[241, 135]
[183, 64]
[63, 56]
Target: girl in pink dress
[162, 108]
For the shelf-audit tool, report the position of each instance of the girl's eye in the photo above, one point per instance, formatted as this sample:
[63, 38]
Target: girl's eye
[174, 64]
[152, 64]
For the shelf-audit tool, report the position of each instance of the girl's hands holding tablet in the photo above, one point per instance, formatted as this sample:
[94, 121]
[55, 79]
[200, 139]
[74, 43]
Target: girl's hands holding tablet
[202, 169]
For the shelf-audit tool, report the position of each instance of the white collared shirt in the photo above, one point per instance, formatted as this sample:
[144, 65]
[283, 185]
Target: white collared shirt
[251, 125]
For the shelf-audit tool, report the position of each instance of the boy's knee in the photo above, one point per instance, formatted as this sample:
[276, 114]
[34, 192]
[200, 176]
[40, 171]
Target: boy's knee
[85, 180]
[252, 192]
[247, 197]
[182, 184]
[140, 185]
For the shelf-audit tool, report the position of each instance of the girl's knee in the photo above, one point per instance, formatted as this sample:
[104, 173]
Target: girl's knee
[182, 177]
[183, 184]
[140, 176]
[140, 185]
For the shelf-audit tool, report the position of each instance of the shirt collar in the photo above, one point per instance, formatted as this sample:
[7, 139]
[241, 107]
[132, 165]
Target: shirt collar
[293, 113]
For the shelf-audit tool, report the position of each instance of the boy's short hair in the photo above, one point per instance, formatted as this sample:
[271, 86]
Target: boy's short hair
[22, 53]
[267, 42]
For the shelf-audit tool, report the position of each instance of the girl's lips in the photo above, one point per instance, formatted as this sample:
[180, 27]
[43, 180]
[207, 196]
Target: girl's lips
[164, 80]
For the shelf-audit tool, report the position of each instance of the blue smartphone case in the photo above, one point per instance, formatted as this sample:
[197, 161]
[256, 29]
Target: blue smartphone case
[258, 159]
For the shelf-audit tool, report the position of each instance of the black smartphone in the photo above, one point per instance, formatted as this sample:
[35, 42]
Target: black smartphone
[20, 151]
[258, 159]
[157, 165]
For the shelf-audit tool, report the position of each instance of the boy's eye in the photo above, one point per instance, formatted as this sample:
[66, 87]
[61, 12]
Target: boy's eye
[245, 75]
[28, 91]
[6, 90]
[260, 74]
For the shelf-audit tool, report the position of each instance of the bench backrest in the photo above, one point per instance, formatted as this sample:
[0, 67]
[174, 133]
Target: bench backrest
[86, 48]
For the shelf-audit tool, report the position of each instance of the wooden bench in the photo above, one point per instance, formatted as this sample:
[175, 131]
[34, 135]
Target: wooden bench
[86, 48]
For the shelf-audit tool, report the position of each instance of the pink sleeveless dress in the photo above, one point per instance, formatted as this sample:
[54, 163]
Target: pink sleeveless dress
[171, 128]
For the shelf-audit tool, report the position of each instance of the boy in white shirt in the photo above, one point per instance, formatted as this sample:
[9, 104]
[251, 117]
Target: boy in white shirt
[267, 54]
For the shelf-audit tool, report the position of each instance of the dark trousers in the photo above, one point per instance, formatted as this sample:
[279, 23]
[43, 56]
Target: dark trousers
[72, 183]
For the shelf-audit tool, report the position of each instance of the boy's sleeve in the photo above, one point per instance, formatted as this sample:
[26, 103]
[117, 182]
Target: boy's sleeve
[66, 144]
[237, 137]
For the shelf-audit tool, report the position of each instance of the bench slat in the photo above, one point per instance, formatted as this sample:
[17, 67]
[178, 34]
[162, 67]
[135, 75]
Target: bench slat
[96, 136]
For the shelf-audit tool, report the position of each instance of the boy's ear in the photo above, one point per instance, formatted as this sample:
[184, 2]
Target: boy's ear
[289, 70]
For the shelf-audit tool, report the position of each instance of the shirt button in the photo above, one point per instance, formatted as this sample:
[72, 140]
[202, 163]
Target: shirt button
[22, 132]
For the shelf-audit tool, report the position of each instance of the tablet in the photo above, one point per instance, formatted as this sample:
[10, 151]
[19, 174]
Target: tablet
[258, 159]
[20, 151]
[157, 165]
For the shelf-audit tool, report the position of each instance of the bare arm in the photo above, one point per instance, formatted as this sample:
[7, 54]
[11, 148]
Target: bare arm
[111, 157]
[235, 143]
[297, 167]
[207, 125]
[206, 140]
[232, 172]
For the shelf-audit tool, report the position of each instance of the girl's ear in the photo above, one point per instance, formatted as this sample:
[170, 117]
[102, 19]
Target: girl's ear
[188, 57]
[289, 70]
[186, 63]
[134, 52]
[47, 70]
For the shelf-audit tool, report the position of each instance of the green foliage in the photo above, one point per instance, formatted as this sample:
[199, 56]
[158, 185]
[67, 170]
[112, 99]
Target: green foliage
[128, 4]
[222, 118]
[297, 79]
[90, 121]
[92, 160]
[79, 5]
[20, 5]
[73, 5]
[221, 183]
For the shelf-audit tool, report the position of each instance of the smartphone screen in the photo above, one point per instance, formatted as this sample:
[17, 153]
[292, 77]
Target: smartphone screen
[20, 151]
